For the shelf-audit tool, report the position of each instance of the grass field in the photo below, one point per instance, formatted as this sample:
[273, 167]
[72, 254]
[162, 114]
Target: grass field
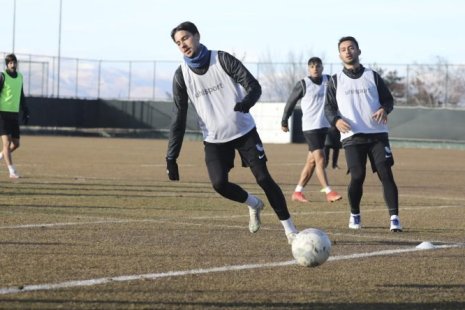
[94, 223]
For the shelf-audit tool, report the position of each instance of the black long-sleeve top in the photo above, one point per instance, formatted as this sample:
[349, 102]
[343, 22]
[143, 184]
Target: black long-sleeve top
[332, 110]
[234, 68]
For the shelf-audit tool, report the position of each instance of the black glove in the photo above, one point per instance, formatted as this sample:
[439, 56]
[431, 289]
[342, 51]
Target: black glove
[172, 169]
[25, 117]
[241, 107]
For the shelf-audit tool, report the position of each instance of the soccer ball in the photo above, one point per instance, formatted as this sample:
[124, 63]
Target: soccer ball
[311, 247]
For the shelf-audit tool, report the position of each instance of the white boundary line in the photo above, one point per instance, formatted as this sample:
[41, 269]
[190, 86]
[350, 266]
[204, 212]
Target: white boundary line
[154, 276]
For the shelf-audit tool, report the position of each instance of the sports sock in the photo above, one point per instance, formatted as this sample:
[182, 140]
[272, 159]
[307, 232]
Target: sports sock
[299, 188]
[251, 201]
[326, 190]
[11, 169]
[289, 226]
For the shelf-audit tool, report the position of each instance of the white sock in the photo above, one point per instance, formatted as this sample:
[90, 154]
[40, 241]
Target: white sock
[289, 226]
[299, 188]
[11, 169]
[1, 155]
[326, 190]
[251, 201]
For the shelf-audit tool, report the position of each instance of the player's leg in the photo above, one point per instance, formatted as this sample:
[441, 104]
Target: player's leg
[327, 151]
[305, 176]
[356, 157]
[252, 153]
[382, 161]
[316, 140]
[219, 159]
[335, 158]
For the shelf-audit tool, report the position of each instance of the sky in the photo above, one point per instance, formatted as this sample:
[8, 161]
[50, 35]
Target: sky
[388, 31]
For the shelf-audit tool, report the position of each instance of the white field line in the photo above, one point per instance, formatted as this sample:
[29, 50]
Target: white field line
[154, 276]
[173, 220]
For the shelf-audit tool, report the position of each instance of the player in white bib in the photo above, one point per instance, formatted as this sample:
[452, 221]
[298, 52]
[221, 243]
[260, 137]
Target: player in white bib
[311, 92]
[357, 103]
[222, 91]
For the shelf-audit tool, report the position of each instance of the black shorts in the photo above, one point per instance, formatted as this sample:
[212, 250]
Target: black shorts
[249, 146]
[315, 138]
[9, 124]
[378, 152]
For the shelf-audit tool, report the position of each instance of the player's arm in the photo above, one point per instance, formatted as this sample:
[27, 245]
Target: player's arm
[385, 95]
[297, 93]
[385, 98]
[24, 108]
[239, 73]
[331, 107]
[178, 124]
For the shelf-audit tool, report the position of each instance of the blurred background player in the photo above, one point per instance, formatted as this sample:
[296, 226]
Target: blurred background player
[311, 91]
[12, 100]
[222, 91]
[332, 142]
[357, 103]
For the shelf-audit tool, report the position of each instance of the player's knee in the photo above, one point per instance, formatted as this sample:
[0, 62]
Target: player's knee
[357, 174]
[219, 185]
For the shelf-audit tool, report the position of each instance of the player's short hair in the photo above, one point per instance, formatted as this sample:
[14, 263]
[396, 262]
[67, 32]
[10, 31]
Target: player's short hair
[315, 60]
[348, 38]
[186, 26]
[10, 57]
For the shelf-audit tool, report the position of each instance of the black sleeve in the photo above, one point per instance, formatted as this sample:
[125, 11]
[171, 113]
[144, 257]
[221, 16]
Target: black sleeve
[22, 103]
[297, 93]
[178, 124]
[239, 73]
[331, 107]
[2, 81]
[385, 96]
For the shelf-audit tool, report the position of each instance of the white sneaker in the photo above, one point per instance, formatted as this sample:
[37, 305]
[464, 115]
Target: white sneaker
[291, 237]
[355, 222]
[254, 212]
[395, 224]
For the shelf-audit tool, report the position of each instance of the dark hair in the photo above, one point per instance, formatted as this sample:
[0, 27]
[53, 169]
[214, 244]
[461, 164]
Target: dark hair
[349, 38]
[10, 57]
[186, 26]
[315, 60]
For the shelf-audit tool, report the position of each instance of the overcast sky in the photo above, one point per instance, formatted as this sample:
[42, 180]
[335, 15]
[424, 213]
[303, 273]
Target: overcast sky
[388, 31]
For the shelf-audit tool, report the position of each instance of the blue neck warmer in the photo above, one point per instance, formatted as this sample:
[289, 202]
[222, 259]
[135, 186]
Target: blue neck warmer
[200, 60]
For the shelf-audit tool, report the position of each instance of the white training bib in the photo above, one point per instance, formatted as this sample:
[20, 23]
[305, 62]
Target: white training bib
[312, 105]
[214, 95]
[357, 100]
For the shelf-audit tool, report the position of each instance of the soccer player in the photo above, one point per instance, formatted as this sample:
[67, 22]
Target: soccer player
[311, 91]
[12, 100]
[222, 91]
[357, 103]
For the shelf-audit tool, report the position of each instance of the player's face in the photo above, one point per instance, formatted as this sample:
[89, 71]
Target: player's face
[349, 53]
[11, 66]
[315, 70]
[187, 43]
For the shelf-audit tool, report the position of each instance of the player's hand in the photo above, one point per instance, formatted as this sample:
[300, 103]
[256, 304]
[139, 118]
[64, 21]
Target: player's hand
[172, 169]
[342, 125]
[380, 116]
[25, 117]
[241, 107]
[285, 128]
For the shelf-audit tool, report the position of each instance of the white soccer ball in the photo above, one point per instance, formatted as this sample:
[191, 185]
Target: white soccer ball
[311, 247]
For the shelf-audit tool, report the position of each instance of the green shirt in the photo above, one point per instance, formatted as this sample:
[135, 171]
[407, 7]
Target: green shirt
[10, 97]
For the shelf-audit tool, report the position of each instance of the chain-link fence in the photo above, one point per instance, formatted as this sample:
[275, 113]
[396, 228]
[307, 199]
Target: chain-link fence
[432, 85]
